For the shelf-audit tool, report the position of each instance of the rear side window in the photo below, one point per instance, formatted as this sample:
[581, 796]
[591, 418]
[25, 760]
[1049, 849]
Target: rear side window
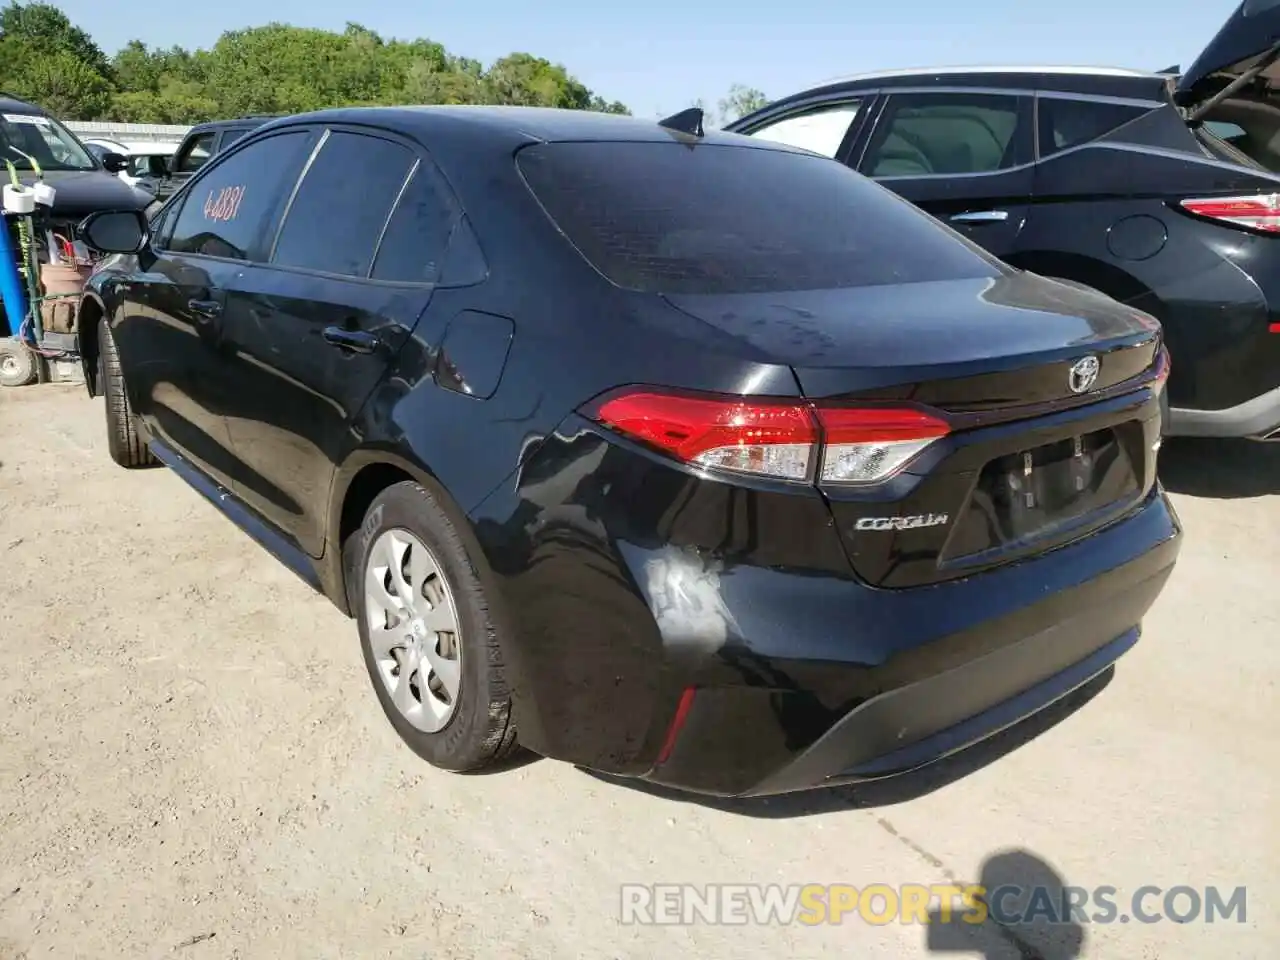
[231, 136]
[231, 209]
[933, 134]
[342, 205]
[1069, 123]
[417, 236]
[669, 218]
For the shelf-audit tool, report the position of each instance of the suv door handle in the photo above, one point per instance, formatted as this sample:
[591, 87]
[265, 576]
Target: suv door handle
[982, 216]
[205, 308]
[353, 341]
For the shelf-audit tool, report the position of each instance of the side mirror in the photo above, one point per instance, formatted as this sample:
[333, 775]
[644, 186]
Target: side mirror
[115, 231]
[115, 162]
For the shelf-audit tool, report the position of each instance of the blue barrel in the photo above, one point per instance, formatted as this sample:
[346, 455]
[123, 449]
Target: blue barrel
[13, 296]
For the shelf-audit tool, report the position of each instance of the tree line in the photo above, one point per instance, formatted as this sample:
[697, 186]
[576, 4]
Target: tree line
[276, 68]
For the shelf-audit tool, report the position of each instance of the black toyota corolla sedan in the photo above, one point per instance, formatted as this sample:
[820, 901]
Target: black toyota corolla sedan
[674, 454]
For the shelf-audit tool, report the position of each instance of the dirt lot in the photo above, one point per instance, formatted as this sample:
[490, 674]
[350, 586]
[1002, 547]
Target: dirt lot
[192, 763]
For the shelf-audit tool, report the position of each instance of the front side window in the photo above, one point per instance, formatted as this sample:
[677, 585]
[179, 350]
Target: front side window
[933, 134]
[231, 210]
[28, 137]
[342, 205]
[821, 130]
[197, 154]
[667, 218]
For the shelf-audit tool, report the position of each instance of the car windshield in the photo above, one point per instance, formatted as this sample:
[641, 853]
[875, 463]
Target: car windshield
[28, 136]
[710, 218]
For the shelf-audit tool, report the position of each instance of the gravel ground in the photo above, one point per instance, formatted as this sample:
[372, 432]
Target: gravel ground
[192, 763]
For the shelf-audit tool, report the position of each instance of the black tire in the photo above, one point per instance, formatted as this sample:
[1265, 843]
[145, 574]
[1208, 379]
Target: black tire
[18, 365]
[480, 732]
[123, 442]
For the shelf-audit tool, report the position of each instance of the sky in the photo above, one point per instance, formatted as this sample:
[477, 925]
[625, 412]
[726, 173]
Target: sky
[658, 56]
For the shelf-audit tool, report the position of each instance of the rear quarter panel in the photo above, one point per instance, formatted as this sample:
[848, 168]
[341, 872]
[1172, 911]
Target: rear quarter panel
[1106, 215]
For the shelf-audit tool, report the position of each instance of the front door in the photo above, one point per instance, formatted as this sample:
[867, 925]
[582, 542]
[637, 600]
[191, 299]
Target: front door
[316, 329]
[965, 157]
[181, 361]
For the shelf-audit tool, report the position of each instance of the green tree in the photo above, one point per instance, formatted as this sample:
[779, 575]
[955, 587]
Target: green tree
[276, 68]
[740, 101]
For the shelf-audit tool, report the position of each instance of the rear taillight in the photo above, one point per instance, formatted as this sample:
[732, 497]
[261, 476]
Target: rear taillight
[866, 445]
[783, 440]
[1254, 211]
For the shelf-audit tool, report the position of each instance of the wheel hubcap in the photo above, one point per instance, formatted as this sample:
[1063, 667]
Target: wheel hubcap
[8, 365]
[413, 629]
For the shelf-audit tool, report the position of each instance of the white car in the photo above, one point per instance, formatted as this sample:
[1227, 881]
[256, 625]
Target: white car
[148, 162]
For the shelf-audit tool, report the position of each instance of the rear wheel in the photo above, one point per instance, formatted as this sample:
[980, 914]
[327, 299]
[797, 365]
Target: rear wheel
[428, 639]
[123, 441]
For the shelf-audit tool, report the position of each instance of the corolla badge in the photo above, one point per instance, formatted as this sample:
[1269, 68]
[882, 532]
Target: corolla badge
[902, 523]
[1083, 374]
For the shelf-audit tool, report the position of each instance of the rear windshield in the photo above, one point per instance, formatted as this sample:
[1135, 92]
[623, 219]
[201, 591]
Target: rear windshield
[710, 218]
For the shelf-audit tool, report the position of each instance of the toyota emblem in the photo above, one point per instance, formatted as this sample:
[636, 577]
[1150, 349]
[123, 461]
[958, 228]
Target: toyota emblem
[1082, 374]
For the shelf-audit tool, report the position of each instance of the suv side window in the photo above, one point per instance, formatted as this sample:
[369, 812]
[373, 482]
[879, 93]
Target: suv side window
[195, 154]
[820, 130]
[231, 136]
[230, 210]
[341, 207]
[932, 134]
[1066, 123]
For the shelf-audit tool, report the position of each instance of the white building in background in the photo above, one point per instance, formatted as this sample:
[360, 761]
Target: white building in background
[160, 134]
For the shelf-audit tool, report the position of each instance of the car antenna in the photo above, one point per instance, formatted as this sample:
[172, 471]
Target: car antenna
[686, 121]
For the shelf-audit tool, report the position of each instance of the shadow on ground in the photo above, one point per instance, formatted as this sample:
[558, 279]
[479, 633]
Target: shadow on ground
[1220, 469]
[894, 790]
[1024, 910]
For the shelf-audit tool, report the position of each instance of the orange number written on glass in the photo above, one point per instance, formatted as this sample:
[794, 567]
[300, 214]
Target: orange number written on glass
[224, 204]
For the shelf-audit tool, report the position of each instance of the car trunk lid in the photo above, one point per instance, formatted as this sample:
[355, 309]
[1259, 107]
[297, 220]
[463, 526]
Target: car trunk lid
[1247, 40]
[1049, 392]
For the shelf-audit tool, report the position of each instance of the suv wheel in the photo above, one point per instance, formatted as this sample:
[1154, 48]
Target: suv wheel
[428, 639]
[123, 442]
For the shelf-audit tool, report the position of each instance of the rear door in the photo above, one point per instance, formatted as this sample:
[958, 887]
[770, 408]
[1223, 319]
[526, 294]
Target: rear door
[314, 331]
[964, 156]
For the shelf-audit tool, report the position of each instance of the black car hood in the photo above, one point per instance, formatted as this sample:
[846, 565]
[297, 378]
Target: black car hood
[82, 192]
[1249, 33]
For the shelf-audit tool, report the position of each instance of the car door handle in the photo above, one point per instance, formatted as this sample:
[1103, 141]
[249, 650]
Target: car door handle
[208, 309]
[982, 216]
[353, 341]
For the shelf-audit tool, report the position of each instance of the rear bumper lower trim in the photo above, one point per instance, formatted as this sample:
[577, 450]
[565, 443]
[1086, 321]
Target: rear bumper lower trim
[1254, 419]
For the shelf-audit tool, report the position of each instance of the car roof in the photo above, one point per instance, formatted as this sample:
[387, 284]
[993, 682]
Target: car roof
[249, 121]
[10, 104]
[1082, 80]
[508, 125]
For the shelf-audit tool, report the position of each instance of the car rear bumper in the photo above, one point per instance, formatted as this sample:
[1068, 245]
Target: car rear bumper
[781, 725]
[1255, 419]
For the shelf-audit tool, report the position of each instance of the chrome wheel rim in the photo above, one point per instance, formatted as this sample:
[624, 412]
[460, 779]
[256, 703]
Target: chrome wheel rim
[413, 629]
